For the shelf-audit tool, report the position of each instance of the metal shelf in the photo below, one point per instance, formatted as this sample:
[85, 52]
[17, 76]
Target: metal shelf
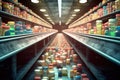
[101, 37]
[11, 46]
[102, 18]
[17, 4]
[14, 17]
[95, 10]
[27, 67]
[107, 48]
[90, 66]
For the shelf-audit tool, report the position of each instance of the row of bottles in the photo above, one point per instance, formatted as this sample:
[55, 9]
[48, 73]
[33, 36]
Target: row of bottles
[110, 28]
[20, 27]
[20, 11]
[100, 27]
[111, 7]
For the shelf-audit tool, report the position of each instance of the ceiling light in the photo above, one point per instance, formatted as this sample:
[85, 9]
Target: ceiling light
[46, 15]
[60, 8]
[35, 1]
[76, 10]
[48, 18]
[59, 22]
[74, 15]
[71, 17]
[82, 1]
[43, 10]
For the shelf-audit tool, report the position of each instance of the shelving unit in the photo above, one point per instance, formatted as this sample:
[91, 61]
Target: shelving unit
[91, 12]
[19, 53]
[100, 54]
[27, 48]
[15, 17]
[100, 46]
[77, 23]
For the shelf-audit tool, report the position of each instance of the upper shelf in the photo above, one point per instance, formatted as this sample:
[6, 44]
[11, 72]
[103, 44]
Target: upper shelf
[92, 11]
[101, 18]
[30, 12]
[78, 21]
[104, 46]
[14, 17]
[12, 45]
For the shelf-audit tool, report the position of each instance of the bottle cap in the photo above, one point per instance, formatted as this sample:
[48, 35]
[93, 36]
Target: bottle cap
[112, 20]
[117, 15]
[99, 21]
[11, 23]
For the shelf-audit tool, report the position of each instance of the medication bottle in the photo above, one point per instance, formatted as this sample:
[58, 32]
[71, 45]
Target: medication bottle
[12, 27]
[117, 4]
[99, 26]
[117, 32]
[112, 26]
[118, 19]
[18, 27]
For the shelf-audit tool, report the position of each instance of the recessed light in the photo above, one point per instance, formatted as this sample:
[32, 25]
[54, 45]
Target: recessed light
[43, 10]
[48, 18]
[46, 15]
[82, 1]
[74, 15]
[71, 17]
[76, 10]
[35, 1]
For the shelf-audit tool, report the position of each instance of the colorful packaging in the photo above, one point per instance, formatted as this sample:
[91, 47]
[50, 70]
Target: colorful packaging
[112, 26]
[99, 26]
[12, 27]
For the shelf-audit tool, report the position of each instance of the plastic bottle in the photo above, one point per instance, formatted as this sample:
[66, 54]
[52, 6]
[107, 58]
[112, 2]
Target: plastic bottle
[99, 26]
[117, 33]
[117, 4]
[118, 19]
[5, 29]
[18, 27]
[112, 26]
[12, 27]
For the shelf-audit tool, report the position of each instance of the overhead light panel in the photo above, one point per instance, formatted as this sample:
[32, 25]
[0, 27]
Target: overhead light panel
[74, 15]
[46, 15]
[76, 10]
[43, 10]
[35, 1]
[82, 1]
[60, 8]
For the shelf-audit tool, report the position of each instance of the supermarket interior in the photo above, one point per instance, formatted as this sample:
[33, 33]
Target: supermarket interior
[59, 39]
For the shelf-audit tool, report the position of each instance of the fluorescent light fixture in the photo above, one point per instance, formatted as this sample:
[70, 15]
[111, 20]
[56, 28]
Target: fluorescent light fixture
[59, 22]
[48, 18]
[60, 8]
[46, 15]
[74, 15]
[43, 10]
[35, 1]
[82, 1]
[76, 10]
[71, 17]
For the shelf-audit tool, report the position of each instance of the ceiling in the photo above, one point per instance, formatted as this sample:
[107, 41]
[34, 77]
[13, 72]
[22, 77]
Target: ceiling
[68, 7]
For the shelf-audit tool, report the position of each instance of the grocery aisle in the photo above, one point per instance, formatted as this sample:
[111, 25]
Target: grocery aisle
[59, 62]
